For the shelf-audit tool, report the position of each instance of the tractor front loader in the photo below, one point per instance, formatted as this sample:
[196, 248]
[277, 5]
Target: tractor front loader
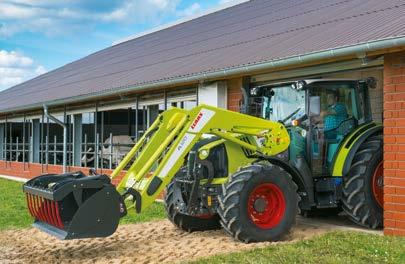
[218, 168]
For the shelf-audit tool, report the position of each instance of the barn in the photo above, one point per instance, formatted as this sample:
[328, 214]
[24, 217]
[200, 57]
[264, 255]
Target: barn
[94, 109]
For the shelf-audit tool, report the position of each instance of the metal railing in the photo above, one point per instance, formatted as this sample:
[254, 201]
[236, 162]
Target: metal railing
[109, 154]
[16, 151]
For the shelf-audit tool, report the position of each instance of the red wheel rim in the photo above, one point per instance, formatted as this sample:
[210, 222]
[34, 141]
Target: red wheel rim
[378, 184]
[266, 205]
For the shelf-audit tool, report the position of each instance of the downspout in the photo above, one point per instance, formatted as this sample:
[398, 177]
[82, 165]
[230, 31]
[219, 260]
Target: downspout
[65, 134]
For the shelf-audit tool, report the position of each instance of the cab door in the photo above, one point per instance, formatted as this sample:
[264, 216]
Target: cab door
[336, 119]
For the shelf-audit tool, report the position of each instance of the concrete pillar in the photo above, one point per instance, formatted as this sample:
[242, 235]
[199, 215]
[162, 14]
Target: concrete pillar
[2, 127]
[77, 139]
[35, 141]
[214, 94]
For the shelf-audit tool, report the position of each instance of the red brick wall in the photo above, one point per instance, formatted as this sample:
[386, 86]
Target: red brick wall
[394, 144]
[31, 170]
[234, 94]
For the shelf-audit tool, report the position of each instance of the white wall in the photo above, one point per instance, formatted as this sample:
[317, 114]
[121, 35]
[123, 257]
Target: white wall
[214, 94]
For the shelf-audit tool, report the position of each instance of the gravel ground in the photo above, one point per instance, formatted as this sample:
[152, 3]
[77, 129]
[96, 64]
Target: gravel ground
[152, 242]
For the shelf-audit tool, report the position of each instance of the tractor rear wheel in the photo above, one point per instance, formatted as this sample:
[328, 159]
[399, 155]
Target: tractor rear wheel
[187, 222]
[363, 185]
[259, 203]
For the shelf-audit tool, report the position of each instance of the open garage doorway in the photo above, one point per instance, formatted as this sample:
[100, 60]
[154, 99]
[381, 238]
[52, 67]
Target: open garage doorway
[334, 121]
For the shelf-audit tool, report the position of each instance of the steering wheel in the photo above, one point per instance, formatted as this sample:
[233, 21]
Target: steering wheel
[290, 115]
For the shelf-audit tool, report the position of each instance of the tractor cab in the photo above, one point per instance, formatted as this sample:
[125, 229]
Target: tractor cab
[318, 113]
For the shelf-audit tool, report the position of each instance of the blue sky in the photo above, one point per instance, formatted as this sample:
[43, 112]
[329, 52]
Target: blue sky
[37, 36]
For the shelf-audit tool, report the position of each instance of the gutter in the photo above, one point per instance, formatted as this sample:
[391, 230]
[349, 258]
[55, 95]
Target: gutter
[358, 49]
[65, 135]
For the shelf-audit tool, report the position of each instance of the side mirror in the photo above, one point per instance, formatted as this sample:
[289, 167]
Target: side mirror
[314, 106]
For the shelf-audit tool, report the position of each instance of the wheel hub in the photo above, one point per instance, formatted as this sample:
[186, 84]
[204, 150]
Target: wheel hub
[260, 205]
[378, 184]
[266, 205]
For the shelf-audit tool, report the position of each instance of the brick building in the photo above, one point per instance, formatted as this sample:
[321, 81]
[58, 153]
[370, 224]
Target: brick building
[107, 99]
[394, 143]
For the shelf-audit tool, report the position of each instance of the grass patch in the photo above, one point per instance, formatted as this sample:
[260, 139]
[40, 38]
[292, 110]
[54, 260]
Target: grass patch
[155, 212]
[13, 209]
[335, 247]
[14, 213]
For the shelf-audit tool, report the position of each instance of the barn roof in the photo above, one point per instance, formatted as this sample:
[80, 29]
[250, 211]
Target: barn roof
[238, 38]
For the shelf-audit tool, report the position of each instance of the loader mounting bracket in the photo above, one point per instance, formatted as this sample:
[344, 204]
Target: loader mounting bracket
[136, 196]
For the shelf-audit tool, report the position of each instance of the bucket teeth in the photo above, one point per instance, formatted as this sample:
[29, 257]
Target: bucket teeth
[34, 200]
[38, 203]
[40, 215]
[44, 210]
[55, 215]
[28, 196]
[58, 218]
[50, 212]
[41, 209]
[34, 206]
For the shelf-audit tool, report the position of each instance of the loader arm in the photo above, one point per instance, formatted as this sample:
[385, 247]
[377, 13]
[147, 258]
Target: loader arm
[162, 150]
[73, 206]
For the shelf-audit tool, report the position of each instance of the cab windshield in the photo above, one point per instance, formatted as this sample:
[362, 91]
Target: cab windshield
[286, 104]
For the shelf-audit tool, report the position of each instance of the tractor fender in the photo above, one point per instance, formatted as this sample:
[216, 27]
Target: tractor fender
[301, 175]
[350, 145]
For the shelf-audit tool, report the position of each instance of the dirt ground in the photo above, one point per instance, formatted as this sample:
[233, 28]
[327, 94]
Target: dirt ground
[152, 242]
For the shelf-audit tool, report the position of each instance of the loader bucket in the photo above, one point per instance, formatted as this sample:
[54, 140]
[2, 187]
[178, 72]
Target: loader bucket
[72, 206]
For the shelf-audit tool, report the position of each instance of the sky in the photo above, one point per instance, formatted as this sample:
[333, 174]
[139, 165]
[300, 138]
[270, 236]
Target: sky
[37, 36]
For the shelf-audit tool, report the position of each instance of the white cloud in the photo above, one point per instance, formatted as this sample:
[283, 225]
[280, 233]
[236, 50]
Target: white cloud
[139, 11]
[15, 68]
[40, 70]
[14, 59]
[52, 17]
[163, 4]
[221, 2]
[231, 2]
[192, 10]
[12, 11]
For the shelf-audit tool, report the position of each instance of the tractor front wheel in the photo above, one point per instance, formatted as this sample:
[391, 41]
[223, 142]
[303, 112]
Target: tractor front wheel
[363, 185]
[259, 203]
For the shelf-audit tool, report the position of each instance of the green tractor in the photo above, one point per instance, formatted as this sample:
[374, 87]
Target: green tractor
[334, 160]
[306, 146]
[336, 149]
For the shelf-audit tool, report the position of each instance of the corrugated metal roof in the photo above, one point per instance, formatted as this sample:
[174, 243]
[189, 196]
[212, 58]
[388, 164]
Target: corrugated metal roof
[249, 33]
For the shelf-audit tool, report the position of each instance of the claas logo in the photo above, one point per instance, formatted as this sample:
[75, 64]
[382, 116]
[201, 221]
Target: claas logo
[196, 120]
